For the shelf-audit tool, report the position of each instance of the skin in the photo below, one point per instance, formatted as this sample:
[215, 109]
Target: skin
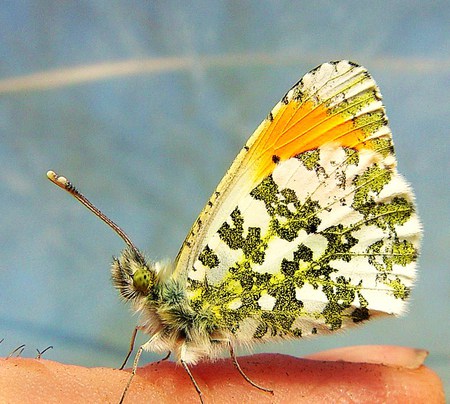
[394, 375]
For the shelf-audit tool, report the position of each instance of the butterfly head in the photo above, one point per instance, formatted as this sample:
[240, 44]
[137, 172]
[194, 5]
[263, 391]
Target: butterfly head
[133, 276]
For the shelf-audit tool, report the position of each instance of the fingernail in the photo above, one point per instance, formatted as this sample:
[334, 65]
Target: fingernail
[389, 355]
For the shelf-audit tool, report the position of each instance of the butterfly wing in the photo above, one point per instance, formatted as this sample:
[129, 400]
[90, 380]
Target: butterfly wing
[312, 229]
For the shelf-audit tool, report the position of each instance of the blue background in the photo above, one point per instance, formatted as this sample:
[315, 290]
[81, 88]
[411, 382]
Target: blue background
[144, 106]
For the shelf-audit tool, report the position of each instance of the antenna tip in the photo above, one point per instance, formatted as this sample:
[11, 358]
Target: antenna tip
[62, 182]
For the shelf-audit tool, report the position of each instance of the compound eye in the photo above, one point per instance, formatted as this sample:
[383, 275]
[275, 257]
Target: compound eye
[141, 280]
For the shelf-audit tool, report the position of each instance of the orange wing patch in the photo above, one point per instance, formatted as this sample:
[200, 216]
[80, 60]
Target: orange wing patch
[351, 116]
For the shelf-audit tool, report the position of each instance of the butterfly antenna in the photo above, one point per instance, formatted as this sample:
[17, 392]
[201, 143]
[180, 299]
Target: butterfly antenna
[65, 184]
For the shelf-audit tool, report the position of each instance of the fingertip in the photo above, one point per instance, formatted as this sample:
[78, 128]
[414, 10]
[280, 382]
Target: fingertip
[290, 378]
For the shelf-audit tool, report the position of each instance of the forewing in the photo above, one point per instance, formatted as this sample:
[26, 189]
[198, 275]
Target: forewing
[312, 228]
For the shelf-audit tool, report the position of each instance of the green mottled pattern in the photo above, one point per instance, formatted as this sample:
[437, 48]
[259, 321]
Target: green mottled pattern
[310, 159]
[208, 258]
[273, 299]
[351, 107]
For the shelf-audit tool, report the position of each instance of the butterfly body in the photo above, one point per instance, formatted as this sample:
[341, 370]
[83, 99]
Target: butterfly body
[166, 313]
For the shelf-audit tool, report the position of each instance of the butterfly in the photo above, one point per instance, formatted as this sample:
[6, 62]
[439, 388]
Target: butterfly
[311, 230]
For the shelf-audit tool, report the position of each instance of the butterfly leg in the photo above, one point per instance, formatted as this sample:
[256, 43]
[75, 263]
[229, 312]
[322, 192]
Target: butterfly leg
[238, 367]
[133, 338]
[186, 368]
[136, 361]
[166, 357]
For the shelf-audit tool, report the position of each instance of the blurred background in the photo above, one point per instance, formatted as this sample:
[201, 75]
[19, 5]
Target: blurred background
[144, 105]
